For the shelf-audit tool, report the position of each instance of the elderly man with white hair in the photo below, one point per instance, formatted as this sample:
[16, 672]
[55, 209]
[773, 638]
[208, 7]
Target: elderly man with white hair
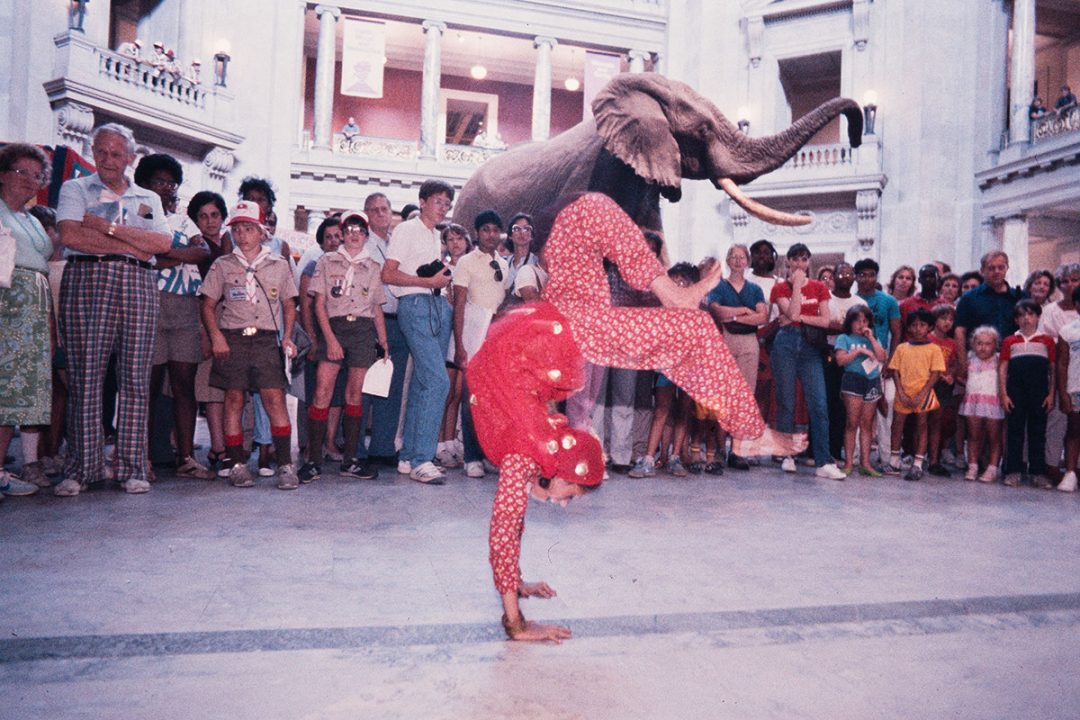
[111, 229]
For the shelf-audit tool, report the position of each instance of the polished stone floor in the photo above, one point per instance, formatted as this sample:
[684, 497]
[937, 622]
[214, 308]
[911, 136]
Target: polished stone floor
[754, 595]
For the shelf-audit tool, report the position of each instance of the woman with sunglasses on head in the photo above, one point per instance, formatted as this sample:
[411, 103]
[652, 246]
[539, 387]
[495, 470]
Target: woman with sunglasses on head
[26, 374]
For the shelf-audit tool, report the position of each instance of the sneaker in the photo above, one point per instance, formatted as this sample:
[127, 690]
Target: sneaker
[830, 472]
[67, 488]
[961, 463]
[446, 457]
[286, 477]
[714, 468]
[867, 471]
[137, 486]
[1039, 481]
[737, 462]
[14, 487]
[474, 469]
[676, 468]
[427, 473]
[696, 468]
[1068, 483]
[266, 459]
[309, 473]
[914, 473]
[990, 475]
[35, 474]
[644, 467]
[1011, 480]
[52, 465]
[404, 467]
[359, 470]
[333, 456]
[972, 472]
[939, 470]
[191, 468]
[890, 469]
[788, 465]
[948, 458]
[240, 476]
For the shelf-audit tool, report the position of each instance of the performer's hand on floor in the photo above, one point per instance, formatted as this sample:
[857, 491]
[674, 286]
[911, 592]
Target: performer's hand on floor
[536, 632]
[536, 589]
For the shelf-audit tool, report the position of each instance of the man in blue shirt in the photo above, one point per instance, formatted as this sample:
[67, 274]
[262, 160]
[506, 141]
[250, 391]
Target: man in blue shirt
[991, 303]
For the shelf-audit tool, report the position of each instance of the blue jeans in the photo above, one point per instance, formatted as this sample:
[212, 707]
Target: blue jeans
[792, 356]
[426, 323]
[384, 412]
[469, 442]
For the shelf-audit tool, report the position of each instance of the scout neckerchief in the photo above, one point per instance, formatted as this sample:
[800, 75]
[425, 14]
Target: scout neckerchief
[353, 262]
[251, 284]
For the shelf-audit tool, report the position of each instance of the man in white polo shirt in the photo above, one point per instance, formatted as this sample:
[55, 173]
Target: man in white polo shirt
[424, 317]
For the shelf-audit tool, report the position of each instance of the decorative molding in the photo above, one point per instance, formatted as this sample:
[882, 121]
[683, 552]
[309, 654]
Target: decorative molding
[74, 122]
[860, 23]
[437, 25]
[867, 203]
[755, 39]
[321, 10]
[376, 147]
[219, 163]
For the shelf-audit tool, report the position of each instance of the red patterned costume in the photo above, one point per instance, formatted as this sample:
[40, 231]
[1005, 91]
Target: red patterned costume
[530, 360]
[682, 344]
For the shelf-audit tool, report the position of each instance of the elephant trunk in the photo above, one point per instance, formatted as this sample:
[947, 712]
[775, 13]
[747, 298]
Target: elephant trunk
[757, 156]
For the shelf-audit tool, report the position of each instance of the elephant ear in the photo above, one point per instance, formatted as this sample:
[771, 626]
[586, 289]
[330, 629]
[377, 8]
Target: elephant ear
[634, 128]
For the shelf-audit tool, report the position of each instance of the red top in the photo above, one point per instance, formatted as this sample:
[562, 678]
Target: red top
[948, 349]
[813, 293]
[1019, 346]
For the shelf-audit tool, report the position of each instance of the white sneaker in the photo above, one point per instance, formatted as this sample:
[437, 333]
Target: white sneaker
[474, 469]
[428, 474]
[404, 467]
[788, 465]
[1068, 483]
[830, 471]
[446, 457]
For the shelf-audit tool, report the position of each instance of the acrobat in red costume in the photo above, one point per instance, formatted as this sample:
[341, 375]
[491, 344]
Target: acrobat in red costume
[531, 359]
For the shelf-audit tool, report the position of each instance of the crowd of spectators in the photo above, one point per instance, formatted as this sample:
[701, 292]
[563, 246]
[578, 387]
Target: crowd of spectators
[120, 302]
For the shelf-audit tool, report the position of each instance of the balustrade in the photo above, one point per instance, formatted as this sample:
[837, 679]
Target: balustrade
[813, 156]
[1055, 123]
[146, 77]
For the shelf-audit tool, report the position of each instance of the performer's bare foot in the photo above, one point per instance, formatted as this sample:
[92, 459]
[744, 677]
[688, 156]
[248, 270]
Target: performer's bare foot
[771, 442]
[671, 294]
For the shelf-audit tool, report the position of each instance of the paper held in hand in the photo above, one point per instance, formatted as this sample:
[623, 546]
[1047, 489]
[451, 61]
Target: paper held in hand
[377, 378]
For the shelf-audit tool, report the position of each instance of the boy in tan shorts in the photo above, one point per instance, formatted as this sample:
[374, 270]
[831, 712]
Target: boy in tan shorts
[254, 288]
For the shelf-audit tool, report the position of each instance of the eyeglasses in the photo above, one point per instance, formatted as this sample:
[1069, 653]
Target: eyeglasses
[522, 229]
[164, 183]
[442, 204]
[494, 265]
[28, 175]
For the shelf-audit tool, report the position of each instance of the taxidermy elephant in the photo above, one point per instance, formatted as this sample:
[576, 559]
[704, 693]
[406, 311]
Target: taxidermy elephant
[647, 134]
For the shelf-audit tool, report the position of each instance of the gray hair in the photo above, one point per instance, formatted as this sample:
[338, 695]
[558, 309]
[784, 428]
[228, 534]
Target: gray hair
[1066, 270]
[989, 330]
[116, 129]
[18, 151]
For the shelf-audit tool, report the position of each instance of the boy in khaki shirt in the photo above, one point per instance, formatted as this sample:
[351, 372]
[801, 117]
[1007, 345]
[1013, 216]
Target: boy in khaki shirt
[348, 295]
[253, 287]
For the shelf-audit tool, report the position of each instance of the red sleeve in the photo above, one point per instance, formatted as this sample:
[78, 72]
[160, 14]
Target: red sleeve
[782, 289]
[1006, 348]
[508, 520]
[1050, 346]
[817, 290]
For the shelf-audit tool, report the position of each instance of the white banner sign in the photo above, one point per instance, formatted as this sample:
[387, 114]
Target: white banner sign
[363, 46]
[599, 69]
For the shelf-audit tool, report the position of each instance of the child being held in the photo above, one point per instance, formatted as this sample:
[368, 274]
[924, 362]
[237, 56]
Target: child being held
[918, 364]
[1026, 367]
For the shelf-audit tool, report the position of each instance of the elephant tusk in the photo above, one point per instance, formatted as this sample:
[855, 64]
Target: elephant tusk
[762, 212]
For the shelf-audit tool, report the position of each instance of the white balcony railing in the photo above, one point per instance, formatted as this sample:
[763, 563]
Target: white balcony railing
[1055, 123]
[822, 156]
[376, 147]
[147, 78]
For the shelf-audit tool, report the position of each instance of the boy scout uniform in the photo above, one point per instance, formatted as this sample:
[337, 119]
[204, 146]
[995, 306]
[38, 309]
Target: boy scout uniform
[249, 296]
[353, 291]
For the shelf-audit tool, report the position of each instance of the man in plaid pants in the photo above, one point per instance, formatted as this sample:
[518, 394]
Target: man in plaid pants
[111, 229]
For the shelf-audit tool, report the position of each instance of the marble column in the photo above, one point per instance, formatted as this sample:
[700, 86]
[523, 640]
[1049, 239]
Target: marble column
[637, 61]
[1014, 241]
[541, 115]
[429, 96]
[1021, 70]
[325, 60]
